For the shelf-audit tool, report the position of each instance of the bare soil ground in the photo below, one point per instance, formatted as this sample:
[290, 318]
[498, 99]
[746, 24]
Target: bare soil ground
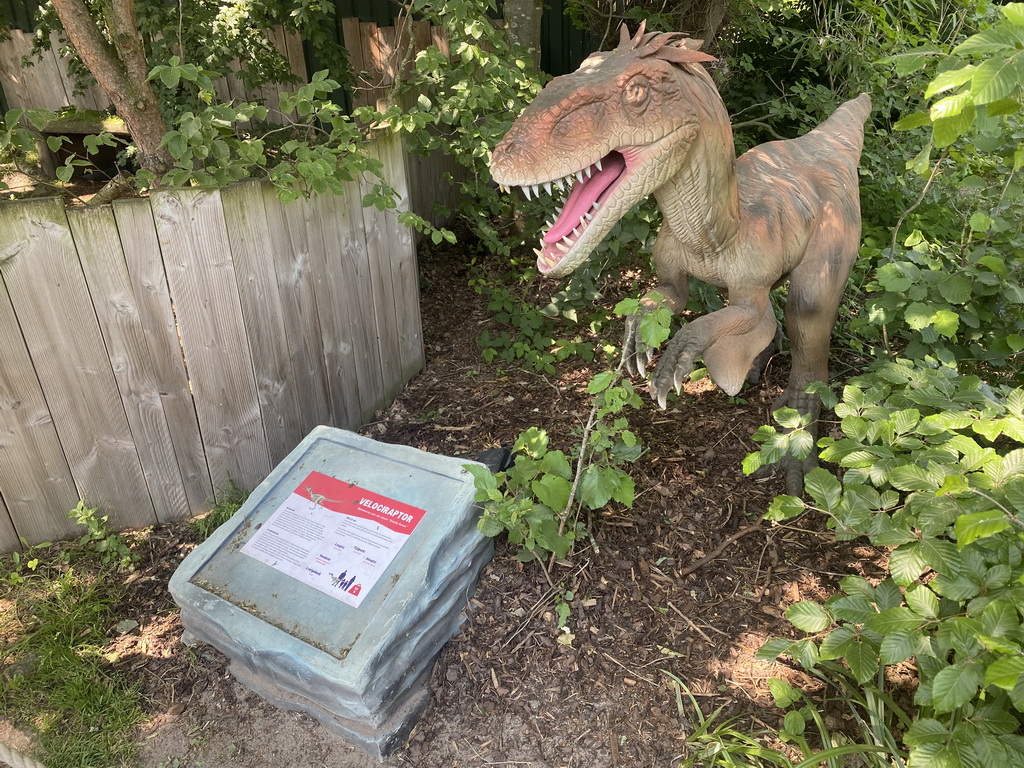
[512, 689]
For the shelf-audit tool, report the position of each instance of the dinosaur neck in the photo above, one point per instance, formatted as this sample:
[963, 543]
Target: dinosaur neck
[700, 203]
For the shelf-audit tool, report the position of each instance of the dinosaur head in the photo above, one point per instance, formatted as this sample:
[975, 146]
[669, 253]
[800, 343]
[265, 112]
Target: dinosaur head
[612, 132]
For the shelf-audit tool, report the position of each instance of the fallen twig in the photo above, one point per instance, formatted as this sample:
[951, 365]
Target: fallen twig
[714, 553]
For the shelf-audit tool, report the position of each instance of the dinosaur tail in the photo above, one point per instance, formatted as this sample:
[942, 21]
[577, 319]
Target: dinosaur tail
[847, 123]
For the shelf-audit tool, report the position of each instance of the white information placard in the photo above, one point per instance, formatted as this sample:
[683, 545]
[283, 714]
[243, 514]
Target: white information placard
[334, 536]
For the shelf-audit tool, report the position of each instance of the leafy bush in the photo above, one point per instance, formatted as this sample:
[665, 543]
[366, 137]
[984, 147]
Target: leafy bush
[934, 469]
[537, 501]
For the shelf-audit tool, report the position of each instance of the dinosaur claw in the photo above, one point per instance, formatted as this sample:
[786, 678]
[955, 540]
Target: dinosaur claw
[663, 400]
[641, 368]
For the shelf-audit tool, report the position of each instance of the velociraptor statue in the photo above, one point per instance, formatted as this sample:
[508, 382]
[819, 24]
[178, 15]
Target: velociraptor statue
[646, 119]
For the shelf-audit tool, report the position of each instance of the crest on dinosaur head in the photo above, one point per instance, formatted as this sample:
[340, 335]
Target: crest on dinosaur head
[609, 135]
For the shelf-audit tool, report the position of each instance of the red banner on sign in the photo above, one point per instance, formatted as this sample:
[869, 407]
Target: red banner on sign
[349, 499]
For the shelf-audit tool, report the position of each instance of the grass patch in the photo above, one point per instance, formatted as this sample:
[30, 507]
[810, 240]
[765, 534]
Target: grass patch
[58, 608]
[231, 500]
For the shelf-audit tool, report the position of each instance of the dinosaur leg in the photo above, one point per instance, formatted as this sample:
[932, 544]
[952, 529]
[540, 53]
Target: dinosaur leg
[761, 361]
[816, 289]
[728, 340]
[673, 291]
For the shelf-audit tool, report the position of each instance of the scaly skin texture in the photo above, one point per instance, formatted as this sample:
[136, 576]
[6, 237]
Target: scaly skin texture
[647, 119]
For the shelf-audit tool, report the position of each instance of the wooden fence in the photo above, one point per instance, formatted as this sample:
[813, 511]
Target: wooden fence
[47, 84]
[153, 349]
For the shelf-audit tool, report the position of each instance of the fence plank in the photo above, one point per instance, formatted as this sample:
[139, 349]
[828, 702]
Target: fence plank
[35, 479]
[403, 266]
[256, 271]
[297, 277]
[378, 248]
[8, 536]
[190, 226]
[345, 308]
[54, 309]
[103, 260]
[28, 87]
[149, 286]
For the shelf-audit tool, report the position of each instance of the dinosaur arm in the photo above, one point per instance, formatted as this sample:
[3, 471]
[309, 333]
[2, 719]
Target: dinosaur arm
[728, 340]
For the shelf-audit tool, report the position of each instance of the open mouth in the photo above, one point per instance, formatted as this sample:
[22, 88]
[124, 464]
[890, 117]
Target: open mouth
[590, 188]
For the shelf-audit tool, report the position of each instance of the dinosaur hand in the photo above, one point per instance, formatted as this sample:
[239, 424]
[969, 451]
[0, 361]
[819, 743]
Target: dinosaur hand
[636, 353]
[675, 365]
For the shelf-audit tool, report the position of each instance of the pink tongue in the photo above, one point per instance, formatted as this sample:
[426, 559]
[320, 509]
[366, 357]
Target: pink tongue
[583, 196]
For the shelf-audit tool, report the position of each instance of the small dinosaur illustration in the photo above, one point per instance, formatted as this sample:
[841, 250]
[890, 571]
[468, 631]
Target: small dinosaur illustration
[646, 118]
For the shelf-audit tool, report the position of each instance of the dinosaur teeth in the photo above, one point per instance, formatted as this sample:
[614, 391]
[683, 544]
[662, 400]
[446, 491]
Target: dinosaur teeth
[536, 190]
[589, 170]
[598, 164]
[526, 192]
[562, 248]
[547, 187]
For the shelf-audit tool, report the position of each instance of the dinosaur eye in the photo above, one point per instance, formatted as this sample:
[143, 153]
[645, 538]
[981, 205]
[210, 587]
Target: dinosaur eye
[637, 92]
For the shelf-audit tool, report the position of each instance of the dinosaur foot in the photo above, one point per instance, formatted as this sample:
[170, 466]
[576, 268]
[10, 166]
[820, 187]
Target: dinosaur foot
[673, 368]
[636, 353]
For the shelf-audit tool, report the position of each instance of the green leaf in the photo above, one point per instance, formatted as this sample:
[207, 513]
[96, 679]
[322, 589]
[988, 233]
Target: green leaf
[784, 694]
[979, 525]
[862, 658]
[887, 595]
[956, 289]
[601, 382]
[793, 724]
[170, 76]
[555, 463]
[595, 490]
[534, 442]
[808, 616]
[1002, 38]
[1005, 673]
[910, 477]
[1014, 13]
[906, 563]
[946, 130]
[899, 646]
[926, 730]
[951, 78]
[999, 619]
[836, 643]
[949, 107]
[853, 608]
[552, 491]
[774, 648]
[785, 507]
[913, 120]
[896, 619]
[942, 556]
[956, 685]
[923, 601]
[994, 79]
[823, 488]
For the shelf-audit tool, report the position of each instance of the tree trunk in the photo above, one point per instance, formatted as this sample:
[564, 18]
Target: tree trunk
[523, 19]
[119, 66]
